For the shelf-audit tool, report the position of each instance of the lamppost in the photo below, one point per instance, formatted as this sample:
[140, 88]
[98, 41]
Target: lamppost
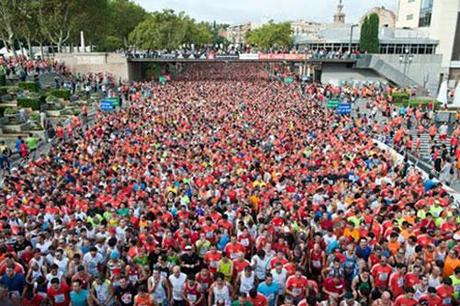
[406, 60]
[351, 37]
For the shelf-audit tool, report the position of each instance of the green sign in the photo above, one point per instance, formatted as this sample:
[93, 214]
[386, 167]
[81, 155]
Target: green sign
[288, 80]
[332, 103]
[163, 79]
[115, 101]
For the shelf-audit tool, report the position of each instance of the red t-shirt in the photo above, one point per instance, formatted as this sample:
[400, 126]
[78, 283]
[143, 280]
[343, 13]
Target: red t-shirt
[330, 285]
[259, 300]
[402, 300]
[297, 285]
[61, 296]
[432, 300]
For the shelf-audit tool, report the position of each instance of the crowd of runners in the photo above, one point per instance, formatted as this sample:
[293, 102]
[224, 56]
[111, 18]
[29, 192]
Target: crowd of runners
[225, 188]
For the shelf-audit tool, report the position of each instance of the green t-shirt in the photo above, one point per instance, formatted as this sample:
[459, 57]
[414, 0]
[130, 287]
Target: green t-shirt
[32, 143]
[123, 212]
[246, 303]
[456, 285]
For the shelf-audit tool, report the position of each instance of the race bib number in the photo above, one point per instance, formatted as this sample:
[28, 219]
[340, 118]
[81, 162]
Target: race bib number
[245, 242]
[209, 235]
[401, 282]
[213, 264]
[297, 291]
[316, 263]
[60, 298]
[192, 297]
[446, 301]
[133, 278]
[383, 276]
[127, 298]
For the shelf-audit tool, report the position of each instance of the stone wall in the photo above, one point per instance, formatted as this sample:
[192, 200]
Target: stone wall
[115, 64]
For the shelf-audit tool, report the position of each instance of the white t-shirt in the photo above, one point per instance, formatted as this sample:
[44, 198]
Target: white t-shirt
[177, 284]
[92, 262]
[280, 278]
[261, 266]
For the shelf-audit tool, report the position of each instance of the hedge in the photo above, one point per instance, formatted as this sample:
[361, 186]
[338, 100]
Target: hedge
[8, 90]
[59, 93]
[418, 102]
[400, 97]
[31, 102]
[29, 86]
[2, 79]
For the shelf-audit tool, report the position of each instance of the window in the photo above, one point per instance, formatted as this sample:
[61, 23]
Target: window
[410, 17]
[425, 13]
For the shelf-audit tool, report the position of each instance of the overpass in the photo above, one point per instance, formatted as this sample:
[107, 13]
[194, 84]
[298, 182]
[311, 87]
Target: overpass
[423, 71]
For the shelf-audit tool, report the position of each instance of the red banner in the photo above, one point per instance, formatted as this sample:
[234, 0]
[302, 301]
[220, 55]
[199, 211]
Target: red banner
[282, 56]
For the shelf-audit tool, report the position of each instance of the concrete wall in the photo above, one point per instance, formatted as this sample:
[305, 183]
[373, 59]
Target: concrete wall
[443, 26]
[405, 9]
[424, 69]
[337, 73]
[112, 63]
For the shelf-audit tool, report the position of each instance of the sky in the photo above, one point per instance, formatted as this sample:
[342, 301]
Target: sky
[259, 11]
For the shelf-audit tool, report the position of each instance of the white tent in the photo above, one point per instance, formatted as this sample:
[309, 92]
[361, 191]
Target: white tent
[442, 95]
[4, 51]
[456, 97]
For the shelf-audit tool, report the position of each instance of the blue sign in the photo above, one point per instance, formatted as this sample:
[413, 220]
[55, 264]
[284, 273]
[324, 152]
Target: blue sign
[107, 105]
[344, 109]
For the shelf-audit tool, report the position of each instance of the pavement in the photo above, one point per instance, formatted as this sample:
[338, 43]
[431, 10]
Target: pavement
[423, 161]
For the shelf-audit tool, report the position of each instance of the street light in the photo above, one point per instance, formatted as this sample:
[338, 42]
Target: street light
[351, 36]
[406, 59]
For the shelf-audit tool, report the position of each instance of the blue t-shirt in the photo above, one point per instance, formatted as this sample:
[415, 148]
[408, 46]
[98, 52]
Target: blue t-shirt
[14, 284]
[80, 298]
[269, 292]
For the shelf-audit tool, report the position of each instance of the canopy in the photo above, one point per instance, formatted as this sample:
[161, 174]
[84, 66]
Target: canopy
[442, 95]
[456, 97]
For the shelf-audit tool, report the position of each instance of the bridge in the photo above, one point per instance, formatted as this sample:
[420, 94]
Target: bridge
[385, 68]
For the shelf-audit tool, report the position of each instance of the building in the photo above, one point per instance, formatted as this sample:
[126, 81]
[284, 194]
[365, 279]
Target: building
[339, 16]
[392, 41]
[440, 20]
[306, 27]
[387, 18]
[236, 34]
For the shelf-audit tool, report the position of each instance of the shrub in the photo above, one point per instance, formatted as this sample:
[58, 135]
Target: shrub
[11, 90]
[28, 86]
[400, 97]
[34, 117]
[6, 98]
[11, 111]
[31, 102]
[59, 93]
[2, 79]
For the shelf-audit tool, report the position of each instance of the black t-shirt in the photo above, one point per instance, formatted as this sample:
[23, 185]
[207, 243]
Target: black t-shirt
[126, 295]
[190, 259]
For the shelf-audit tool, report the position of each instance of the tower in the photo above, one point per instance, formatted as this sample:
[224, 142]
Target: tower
[339, 16]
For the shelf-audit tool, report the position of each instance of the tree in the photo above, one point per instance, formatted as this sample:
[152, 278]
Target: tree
[168, 30]
[29, 29]
[369, 38]
[271, 35]
[9, 20]
[125, 15]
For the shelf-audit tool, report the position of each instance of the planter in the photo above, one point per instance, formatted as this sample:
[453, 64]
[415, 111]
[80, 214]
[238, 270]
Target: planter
[54, 113]
[15, 127]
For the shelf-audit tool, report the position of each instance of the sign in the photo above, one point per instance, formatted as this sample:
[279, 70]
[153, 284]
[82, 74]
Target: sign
[115, 101]
[106, 105]
[332, 103]
[249, 56]
[344, 108]
[168, 56]
[282, 56]
[288, 80]
[227, 56]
